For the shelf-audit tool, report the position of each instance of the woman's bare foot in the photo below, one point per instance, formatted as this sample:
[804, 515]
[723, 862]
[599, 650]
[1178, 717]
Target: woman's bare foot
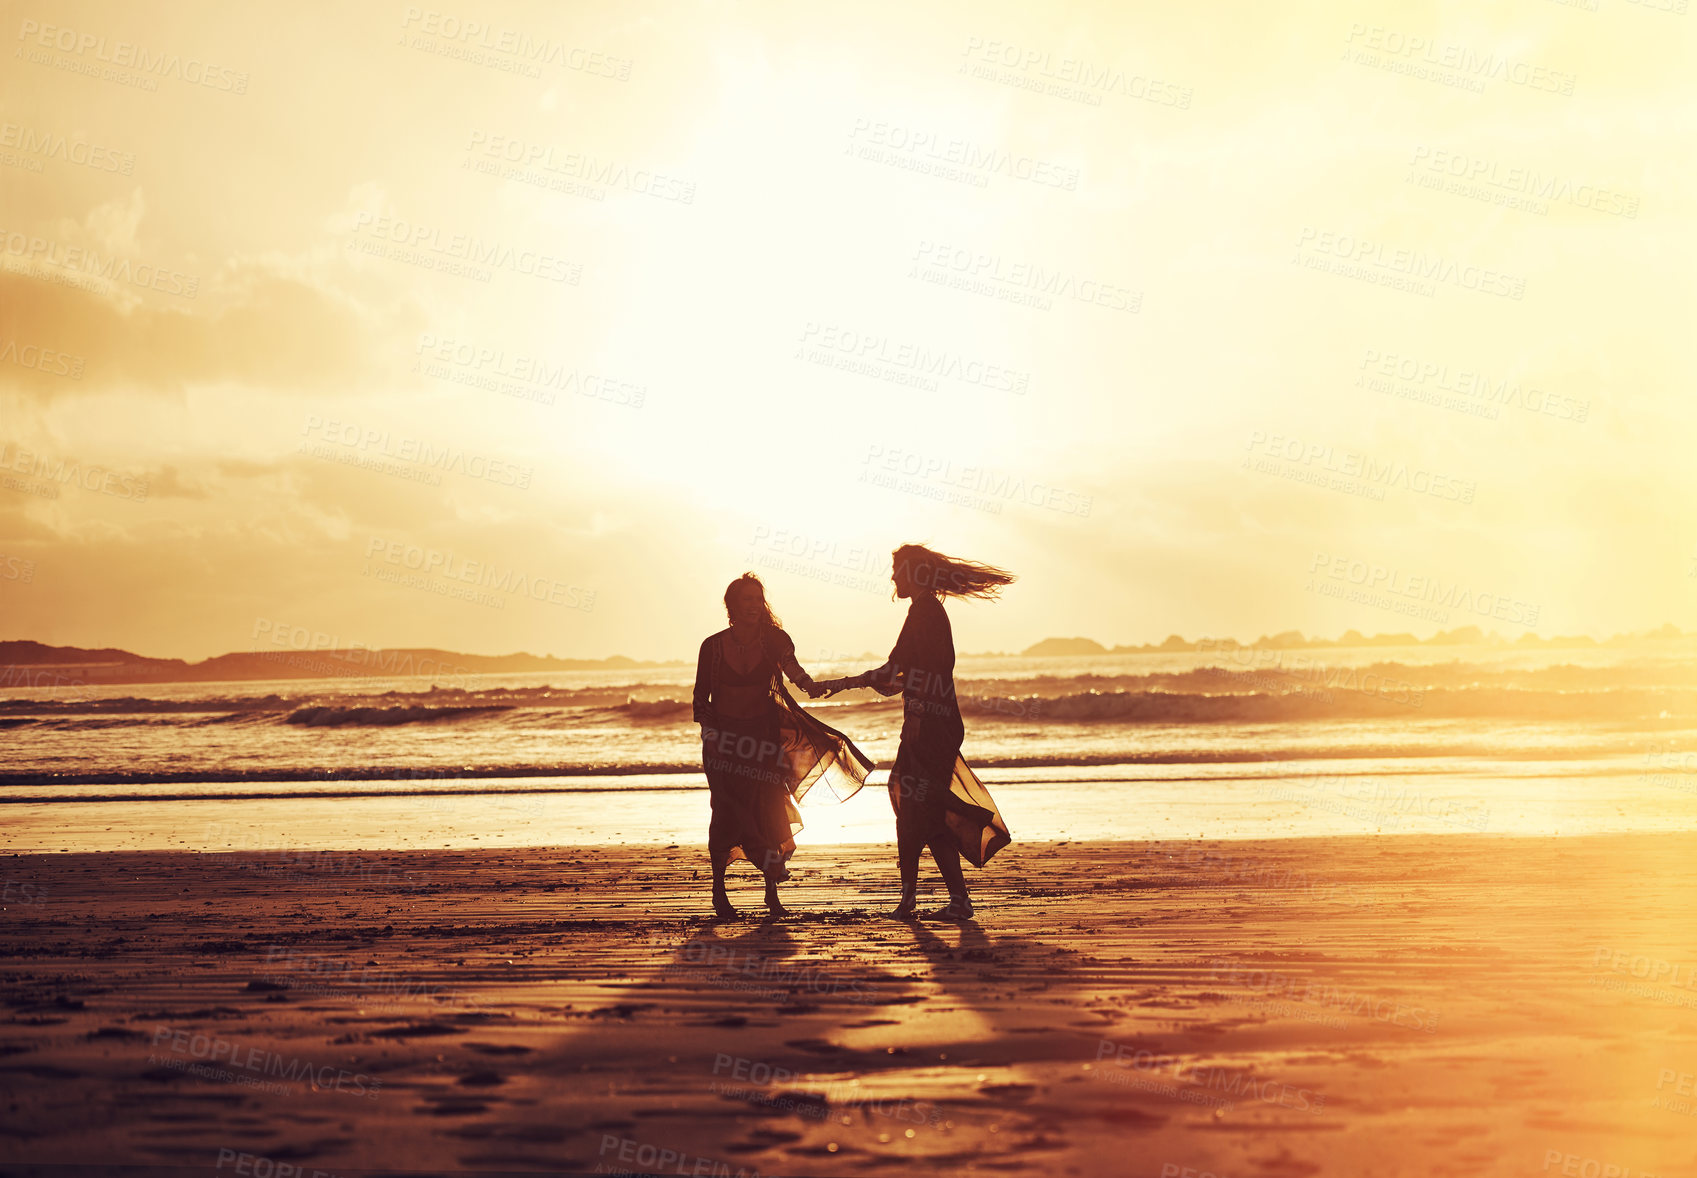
[958, 909]
[722, 904]
[906, 909]
[773, 905]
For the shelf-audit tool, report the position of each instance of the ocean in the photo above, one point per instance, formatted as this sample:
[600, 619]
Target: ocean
[1231, 743]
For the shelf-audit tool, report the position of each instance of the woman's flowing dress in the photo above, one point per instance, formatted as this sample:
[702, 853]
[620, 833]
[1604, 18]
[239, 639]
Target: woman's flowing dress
[932, 789]
[758, 767]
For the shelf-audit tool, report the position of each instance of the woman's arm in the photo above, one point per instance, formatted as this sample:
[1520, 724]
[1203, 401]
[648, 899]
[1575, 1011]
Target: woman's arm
[890, 678]
[704, 685]
[788, 665]
[885, 680]
[799, 676]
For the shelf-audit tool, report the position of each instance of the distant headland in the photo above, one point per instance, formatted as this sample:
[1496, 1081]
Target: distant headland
[1295, 639]
[24, 663]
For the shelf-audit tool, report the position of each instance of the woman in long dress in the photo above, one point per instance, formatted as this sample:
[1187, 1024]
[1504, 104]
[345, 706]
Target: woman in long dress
[760, 751]
[938, 800]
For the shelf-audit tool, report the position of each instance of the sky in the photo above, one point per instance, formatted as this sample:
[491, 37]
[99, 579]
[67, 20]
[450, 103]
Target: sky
[528, 328]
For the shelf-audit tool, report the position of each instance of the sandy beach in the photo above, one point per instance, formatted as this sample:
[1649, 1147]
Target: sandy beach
[1414, 1005]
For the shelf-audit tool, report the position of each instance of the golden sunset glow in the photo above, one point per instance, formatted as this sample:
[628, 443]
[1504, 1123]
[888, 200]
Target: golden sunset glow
[1059, 289]
[1216, 693]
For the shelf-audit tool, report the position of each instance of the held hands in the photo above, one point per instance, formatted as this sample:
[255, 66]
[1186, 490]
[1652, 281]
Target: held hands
[830, 687]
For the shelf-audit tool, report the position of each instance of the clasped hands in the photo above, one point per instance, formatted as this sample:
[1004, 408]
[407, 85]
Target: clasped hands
[825, 688]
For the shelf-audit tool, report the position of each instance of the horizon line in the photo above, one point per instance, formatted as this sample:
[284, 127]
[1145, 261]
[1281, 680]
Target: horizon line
[1283, 638]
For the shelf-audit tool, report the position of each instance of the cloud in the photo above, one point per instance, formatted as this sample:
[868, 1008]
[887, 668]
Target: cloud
[255, 326]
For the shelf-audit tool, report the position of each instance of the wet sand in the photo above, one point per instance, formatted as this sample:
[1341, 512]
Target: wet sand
[1403, 1005]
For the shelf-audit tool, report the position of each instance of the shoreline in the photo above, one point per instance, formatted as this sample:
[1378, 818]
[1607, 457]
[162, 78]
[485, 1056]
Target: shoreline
[1597, 761]
[1099, 804]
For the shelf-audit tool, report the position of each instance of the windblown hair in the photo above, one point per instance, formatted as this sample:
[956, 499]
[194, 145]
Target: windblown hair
[751, 579]
[948, 576]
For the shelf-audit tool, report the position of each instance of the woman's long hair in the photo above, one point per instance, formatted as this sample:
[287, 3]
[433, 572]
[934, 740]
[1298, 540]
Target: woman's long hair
[751, 579]
[948, 576]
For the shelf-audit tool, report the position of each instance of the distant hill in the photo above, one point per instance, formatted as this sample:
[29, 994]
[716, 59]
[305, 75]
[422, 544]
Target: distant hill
[1059, 647]
[34, 664]
[1293, 639]
[24, 663]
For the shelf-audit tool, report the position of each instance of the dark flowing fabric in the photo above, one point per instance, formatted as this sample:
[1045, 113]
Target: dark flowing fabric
[753, 815]
[933, 791]
[759, 767]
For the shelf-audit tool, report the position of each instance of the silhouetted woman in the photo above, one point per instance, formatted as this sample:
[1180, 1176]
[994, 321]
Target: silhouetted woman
[938, 800]
[760, 751]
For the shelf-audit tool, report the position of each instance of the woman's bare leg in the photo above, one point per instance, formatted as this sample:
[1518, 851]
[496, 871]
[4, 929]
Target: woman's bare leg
[947, 855]
[909, 843]
[721, 901]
